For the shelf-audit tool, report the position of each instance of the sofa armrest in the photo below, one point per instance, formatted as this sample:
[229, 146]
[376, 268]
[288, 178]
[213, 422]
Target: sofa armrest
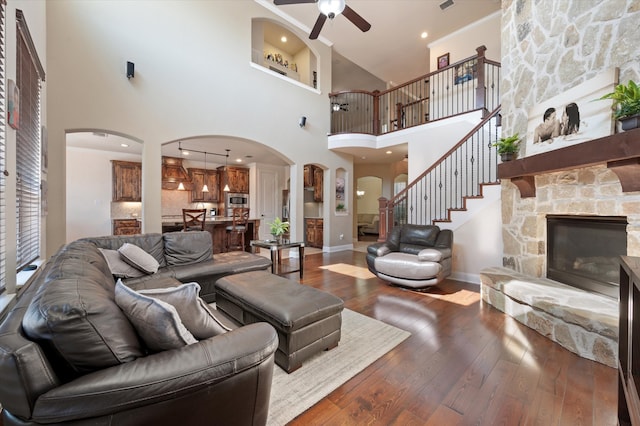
[379, 249]
[167, 376]
[430, 255]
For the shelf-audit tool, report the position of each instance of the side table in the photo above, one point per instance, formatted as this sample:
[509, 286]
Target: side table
[276, 254]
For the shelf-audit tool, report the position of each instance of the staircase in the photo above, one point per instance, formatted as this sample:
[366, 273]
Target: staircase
[444, 188]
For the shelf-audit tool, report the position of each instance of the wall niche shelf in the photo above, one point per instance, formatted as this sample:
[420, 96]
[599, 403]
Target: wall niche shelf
[620, 152]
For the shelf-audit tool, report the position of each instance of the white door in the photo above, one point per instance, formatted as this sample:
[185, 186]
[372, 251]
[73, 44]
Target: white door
[268, 196]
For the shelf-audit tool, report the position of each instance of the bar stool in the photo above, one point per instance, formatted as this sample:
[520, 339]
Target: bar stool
[235, 232]
[193, 219]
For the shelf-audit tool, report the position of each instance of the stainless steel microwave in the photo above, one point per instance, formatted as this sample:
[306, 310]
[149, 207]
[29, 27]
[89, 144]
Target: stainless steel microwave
[237, 200]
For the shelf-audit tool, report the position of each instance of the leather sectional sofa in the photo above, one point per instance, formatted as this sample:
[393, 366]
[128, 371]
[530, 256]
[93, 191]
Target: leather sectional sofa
[69, 355]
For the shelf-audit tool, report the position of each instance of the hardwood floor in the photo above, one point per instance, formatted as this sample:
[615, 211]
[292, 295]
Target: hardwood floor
[465, 363]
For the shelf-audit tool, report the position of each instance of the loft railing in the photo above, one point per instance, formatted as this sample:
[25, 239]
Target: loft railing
[467, 85]
[445, 186]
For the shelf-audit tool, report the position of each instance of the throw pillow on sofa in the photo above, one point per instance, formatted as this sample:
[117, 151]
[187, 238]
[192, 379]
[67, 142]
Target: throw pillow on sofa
[199, 319]
[137, 257]
[118, 267]
[157, 322]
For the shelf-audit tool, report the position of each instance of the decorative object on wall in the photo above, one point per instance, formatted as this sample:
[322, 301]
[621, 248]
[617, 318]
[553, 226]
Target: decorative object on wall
[43, 198]
[443, 61]
[466, 71]
[44, 153]
[572, 117]
[340, 188]
[13, 105]
[130, 69]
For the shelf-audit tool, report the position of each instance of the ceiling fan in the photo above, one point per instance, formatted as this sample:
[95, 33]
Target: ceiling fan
[330, 9]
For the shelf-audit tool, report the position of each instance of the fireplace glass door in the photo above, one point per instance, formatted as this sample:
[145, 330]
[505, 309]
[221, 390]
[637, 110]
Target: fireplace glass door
[584, 251]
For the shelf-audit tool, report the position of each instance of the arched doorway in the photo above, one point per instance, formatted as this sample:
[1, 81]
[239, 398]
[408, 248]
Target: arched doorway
[368, 190]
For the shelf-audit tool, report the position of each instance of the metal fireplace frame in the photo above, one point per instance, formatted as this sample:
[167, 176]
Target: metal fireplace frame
[610, 289]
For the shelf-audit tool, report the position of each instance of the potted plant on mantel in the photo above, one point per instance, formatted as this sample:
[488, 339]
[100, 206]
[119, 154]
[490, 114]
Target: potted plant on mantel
[508, 147]
[278, 228]
[626, 99]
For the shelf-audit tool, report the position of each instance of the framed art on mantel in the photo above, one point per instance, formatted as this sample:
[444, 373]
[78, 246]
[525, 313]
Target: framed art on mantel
[443, 61]
[573, 116]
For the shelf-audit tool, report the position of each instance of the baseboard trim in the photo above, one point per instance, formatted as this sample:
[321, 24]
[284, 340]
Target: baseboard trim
[466, 277]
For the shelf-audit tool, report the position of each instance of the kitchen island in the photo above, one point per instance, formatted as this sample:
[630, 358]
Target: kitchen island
[217, 227]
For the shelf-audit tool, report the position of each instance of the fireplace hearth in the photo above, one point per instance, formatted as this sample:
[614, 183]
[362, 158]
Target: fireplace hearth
[584, 251]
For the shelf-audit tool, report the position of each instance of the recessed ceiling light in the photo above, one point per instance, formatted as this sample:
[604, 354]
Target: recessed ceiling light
[283, 39]
[388, 152]
[424, 35]
[238, 160]
[185, 152]
[124, 145]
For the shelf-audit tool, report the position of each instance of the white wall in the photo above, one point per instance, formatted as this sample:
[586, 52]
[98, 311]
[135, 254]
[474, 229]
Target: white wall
[89, 173]
[486, 32]
[194, 77]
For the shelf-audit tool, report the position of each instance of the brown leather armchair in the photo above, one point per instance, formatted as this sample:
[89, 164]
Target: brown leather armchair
[415, 256]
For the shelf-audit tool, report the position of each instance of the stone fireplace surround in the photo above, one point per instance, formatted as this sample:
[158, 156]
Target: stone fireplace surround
[595, 178]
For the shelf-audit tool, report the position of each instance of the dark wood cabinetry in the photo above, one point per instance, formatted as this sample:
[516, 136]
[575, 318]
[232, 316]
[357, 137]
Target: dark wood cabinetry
[629, 342]
[236, 177]
[126, 227]
[198, 178]
[318, 177]
[314, 232]
[313, 178]
[173, 173]
[126, 181]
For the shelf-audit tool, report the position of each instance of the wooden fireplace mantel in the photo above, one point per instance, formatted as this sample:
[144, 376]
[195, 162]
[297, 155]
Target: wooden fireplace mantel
[620, 152]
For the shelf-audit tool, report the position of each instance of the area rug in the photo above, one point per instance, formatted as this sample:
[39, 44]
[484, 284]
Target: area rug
[363, 341]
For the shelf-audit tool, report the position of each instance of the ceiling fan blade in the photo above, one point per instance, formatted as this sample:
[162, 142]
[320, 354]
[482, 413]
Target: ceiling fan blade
[315, 32]
[281, 2]
[357, 20]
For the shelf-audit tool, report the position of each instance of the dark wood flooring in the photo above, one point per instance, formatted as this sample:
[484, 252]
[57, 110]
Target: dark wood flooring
[465, 363]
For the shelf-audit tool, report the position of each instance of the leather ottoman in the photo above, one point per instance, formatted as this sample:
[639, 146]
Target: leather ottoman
[307, 320]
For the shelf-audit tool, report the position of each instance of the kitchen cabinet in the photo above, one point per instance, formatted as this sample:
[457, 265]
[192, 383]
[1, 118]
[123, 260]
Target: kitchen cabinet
[318, 178]
[236, 177]
[126, 227]
[313, 178]
[314, 232]
[198, 178]
[308, 175]
[126, 178]
[173, 173]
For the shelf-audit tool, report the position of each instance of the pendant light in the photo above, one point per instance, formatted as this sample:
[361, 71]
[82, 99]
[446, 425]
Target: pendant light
[205, 188]
[226, 175]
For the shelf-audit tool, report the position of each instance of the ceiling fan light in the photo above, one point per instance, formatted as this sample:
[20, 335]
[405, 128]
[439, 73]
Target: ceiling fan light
[331, 8]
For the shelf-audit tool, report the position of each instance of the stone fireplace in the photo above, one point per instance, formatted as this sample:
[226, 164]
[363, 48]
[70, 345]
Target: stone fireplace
[601, 187]
[598, 179]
